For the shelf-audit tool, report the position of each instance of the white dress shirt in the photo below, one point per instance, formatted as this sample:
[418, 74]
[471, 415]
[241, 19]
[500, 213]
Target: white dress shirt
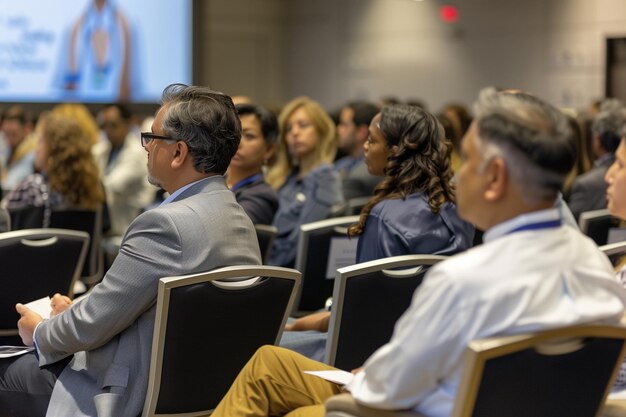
[518, 281]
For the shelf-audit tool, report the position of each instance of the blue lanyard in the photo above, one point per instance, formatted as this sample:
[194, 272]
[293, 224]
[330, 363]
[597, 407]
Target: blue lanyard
[536, 226]
[246, 181]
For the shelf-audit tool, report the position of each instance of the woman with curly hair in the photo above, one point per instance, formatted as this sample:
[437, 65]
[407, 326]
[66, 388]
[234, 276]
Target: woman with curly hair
[303, 174]
[412, 211]
[67, 177]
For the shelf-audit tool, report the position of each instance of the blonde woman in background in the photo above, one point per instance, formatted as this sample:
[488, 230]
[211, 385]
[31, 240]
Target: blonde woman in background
[303, 174]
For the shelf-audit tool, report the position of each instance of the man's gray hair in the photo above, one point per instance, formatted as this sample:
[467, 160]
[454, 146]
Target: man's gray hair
[608, 123]
[206, 121]
[532, 137]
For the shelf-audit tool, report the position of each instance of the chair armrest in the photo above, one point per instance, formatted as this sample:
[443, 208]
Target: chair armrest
[614, 408]
[344, 405]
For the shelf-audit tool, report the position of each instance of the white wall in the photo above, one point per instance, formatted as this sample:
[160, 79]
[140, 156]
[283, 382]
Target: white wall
[335, 50]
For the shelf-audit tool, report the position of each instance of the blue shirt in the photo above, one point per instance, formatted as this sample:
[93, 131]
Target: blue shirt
[301, 201]
[407, 226]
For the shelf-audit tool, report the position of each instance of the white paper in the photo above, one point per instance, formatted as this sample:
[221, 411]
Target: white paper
[41, 307]
[342, 252]
[10, 351]
[337, 376]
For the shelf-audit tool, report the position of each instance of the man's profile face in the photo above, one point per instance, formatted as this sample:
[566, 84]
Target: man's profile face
[470, 179]
[114, 126]
[346, 130]
[157, 152]
[14, 131]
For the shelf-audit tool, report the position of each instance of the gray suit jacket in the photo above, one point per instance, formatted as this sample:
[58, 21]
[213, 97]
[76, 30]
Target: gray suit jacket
[110, 331]
[588, 191]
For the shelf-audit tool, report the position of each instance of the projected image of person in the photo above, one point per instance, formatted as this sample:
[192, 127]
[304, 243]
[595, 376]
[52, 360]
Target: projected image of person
[98, 55]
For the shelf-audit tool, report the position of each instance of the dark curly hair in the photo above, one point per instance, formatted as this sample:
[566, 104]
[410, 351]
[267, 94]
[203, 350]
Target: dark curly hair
[419, 160]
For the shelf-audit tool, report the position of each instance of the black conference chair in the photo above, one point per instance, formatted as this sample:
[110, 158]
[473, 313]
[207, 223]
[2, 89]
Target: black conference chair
[266, 234]
[194, 361]
[312, 257]
[596, 224]
[89, 221]
[615, 251]
[37, 263]
[368, 299]
[556, 373]
[26, 217]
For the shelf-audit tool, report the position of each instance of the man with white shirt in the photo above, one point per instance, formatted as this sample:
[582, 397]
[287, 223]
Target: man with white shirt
[532, 273]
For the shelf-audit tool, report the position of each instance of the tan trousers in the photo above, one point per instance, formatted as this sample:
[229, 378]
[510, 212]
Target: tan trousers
[273, 384]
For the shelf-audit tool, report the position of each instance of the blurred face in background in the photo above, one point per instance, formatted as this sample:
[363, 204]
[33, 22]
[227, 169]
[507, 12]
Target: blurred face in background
[346, 130]
[376, 150]
[253, 150]
[14, 132]
[616, 180]
[301, 136]
[114, 126]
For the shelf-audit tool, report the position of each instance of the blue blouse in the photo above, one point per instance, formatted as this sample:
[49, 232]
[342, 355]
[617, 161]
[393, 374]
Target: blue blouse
[407, 226]
[302, 201]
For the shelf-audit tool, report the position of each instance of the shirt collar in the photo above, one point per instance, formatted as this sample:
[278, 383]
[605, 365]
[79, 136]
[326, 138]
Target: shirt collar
[520, 221]
[178, 192]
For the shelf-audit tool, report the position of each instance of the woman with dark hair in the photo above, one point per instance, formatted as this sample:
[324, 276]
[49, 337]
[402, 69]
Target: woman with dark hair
[412, 211]
[259, 130]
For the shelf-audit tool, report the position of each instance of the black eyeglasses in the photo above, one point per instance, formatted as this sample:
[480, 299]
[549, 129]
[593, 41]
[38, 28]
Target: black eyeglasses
[147, 137]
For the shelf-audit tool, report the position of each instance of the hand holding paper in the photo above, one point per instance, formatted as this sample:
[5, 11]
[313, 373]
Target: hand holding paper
[27, 323]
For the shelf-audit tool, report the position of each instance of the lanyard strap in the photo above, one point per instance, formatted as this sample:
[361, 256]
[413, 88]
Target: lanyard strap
[536, 226]
[246, 181]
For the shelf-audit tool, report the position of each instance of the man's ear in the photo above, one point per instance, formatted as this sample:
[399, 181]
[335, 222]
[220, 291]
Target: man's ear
[181, 153]
[497, 179]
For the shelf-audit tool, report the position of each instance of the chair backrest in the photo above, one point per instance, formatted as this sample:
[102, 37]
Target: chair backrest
[206, 329]
[596, 224]
[30, 217]
[266, 234]
[355, 205]
[36, 263]
[615, 251]
[314, 251]
[368, 299]
[555, 373]
[5, 220]
[89, 221]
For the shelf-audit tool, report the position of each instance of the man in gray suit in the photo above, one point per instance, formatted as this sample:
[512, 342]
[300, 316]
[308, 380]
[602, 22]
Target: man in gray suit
[93, 356]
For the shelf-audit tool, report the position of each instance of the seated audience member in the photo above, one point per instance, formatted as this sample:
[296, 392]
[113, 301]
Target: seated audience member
[616, 196]
[412, 211]
[303, 174]
[19, 158]
[532, 273]
[81, 115]
[67, 177]
[124, 172]
[92, 357]
[460, 119]
[588, 191]
[352, 131]
[259, 130]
